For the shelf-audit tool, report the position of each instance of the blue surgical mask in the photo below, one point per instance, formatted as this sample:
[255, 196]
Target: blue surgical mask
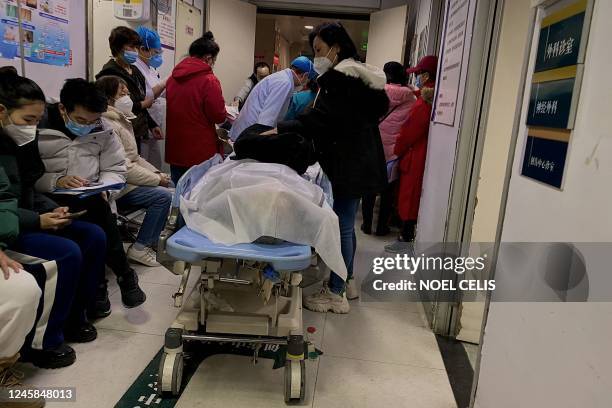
[79, 130]
[156, 61]
[130, 56]
[419, 82]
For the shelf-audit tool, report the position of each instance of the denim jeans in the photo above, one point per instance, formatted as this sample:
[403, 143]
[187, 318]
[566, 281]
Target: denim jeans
[156, 201]
[80, 263]
[345, 209]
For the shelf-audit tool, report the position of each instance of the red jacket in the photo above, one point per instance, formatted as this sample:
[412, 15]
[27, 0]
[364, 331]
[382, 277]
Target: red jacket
[194, 104]
[411, 148]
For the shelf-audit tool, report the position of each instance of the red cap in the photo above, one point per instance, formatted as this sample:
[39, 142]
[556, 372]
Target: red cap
[426, 64]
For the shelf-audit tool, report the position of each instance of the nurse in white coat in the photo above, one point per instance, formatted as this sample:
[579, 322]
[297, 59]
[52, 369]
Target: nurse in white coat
[149, 59]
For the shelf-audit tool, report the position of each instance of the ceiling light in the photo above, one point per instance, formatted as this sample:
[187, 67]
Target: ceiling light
[309, 27]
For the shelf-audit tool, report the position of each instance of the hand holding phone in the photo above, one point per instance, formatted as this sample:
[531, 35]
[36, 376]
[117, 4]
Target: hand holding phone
[72, 216]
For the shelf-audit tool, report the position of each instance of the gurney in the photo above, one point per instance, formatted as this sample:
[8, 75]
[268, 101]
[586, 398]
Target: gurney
[227, 304]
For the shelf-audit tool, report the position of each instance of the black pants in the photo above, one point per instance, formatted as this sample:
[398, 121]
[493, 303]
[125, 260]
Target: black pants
[408, 231]
[386, 204]
[99, 213]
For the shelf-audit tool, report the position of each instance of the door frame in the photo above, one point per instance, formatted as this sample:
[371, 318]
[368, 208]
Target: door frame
[444, 316]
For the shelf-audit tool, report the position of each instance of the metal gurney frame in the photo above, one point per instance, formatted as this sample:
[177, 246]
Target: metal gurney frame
[181, 248]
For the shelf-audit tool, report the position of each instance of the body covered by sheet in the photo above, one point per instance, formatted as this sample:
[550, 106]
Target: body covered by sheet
[239, 201]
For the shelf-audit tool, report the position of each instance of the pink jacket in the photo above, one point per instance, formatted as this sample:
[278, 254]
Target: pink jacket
[401, 99]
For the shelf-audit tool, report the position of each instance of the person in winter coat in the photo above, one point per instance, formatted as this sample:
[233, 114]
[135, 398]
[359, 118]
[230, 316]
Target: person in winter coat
[195, 105]
[411, 149]
[260, 71]
[43, 231]
[343, 127]
[401, 98]
[76, 151]
[147, 186]
[124, 44]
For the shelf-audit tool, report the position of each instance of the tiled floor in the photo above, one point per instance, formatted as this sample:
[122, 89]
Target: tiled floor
[379, 355]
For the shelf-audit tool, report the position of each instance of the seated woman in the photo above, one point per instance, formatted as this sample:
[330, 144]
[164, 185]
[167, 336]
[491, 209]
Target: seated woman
[46, 233]
[147, 186]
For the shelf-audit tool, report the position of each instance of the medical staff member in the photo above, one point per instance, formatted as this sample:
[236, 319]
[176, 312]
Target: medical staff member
[195, 105]
[149, 60]
[269, 99]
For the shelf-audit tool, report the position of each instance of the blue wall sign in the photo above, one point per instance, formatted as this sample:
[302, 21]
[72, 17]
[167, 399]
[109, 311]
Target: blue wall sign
[544, 160]
[550, 103]
[559, 43]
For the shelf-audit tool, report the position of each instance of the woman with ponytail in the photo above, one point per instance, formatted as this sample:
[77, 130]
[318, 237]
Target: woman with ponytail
[195, 104]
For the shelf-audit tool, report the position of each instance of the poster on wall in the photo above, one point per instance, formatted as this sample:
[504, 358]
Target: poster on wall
[166, 24]
[451, 61]
[45, 31]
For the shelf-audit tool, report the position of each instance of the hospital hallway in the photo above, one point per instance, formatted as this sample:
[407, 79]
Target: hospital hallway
[380, 354]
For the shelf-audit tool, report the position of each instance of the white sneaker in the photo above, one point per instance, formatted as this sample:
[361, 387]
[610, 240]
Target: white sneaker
[352, 289]
[325, 301]
[145, 257]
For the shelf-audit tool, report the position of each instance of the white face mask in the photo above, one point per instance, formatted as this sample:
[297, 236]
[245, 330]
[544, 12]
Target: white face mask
[124, 105]
[323, 64]
[300, 86]
[20, 134]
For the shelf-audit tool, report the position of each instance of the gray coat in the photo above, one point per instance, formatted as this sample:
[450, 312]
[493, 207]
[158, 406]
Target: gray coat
[97, 157]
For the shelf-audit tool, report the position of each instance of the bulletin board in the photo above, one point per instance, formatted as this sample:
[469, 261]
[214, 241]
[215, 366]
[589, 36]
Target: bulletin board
[54, 37]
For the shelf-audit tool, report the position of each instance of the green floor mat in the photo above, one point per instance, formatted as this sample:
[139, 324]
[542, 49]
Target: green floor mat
[143, 391]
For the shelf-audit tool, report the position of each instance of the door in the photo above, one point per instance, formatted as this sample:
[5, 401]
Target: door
[387, 36]
[189, 23]
[233, 24]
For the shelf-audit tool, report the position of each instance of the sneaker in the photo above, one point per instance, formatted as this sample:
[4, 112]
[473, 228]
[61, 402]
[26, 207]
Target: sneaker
[101, 306]
[399, 247]
[10, 379]
[80, 333]
[352, 289]
[146, 257]
[61, 356]
[326, 300]
[131, 294]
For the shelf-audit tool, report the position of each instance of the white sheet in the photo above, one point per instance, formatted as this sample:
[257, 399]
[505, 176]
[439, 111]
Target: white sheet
[240, 201]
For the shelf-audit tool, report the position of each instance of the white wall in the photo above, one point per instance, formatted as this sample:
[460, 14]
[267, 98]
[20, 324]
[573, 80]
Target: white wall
[386, 36]
[233, 25]
[558, 354]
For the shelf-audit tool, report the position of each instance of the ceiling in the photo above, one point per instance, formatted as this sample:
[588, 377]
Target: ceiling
[293, 30]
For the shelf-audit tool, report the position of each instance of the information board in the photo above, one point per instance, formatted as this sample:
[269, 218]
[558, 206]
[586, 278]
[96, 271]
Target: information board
[452, 61]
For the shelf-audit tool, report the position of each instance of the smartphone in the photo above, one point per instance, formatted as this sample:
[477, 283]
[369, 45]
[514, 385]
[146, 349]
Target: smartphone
[72, 216]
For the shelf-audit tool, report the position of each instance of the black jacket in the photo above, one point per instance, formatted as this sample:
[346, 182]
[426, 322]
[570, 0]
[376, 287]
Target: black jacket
[23, 167]
[343, 125]
[137, 86]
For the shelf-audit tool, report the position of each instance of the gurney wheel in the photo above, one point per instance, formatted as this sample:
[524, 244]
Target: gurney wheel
[170, 374]
[295, 381]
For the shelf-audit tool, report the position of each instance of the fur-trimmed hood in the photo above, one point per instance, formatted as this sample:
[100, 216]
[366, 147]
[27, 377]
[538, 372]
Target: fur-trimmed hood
[371, 75]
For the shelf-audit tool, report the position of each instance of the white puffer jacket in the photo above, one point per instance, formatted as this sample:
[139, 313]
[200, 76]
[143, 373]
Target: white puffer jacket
[97, 157]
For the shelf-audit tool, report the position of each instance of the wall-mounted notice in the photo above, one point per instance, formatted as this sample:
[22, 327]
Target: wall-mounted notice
[166, 26]
[45, 31]
[452, 61]
[550, 103]
[545, 155]
[559, 42]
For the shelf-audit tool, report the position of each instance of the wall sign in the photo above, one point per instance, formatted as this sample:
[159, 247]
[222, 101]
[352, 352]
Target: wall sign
[452, 61]
[555, 89]
[544, 159]
[550, 103]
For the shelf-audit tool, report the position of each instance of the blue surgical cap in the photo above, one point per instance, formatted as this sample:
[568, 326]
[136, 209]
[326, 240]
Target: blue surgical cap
[150, 39]
[305, 65]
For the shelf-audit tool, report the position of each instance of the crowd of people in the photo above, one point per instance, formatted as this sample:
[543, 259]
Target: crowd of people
[366, 126]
